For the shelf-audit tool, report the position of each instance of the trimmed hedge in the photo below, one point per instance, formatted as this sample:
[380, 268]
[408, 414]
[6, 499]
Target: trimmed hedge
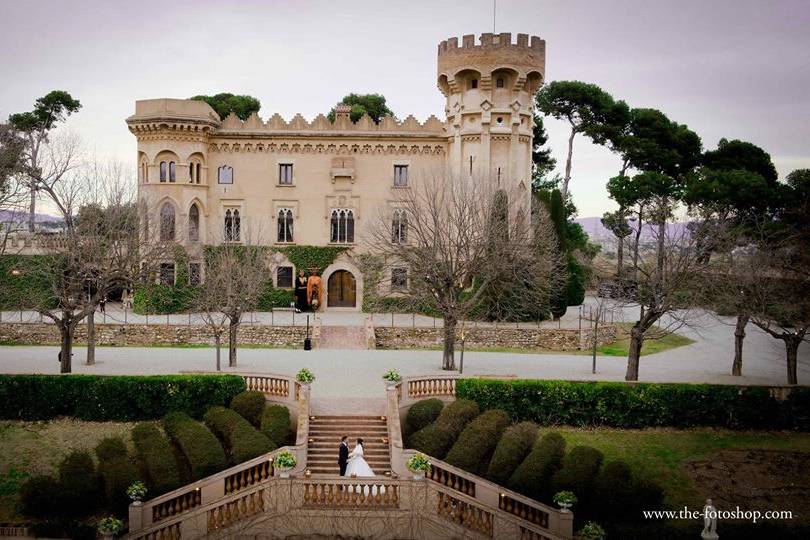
[437, 438]
[156, 458]
[80, 483]
[579, 469]
[118, 473]
[515, 444]
[250, 405]
[41, 497]
[640, 405]
[533, 477]
[198, 445]
[110, 448]
[113, 398]
[242, 440]
[276, 425]
[476, 443]
[421, 414]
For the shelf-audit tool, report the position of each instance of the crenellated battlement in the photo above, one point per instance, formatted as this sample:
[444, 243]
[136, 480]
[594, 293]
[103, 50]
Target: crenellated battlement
[489, 40]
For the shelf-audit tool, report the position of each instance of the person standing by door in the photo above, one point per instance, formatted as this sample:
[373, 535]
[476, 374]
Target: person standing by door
[301, 303]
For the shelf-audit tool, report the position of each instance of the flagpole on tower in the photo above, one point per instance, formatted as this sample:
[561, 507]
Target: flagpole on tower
[494, 4]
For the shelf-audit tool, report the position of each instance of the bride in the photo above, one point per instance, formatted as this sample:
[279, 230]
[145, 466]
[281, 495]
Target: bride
[357, 464]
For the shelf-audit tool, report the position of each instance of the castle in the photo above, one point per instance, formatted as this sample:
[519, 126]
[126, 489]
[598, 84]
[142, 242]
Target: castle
[319, 183]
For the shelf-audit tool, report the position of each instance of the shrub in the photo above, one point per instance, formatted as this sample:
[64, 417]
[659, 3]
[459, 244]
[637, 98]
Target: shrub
[109, 448]
[250, 405]
[533, 476]
[242, 440]
[476, 443]
[41, 497]
[113, 398]
[118, 474]
[512, 449]
[276, 425]
[432, 440]
[437, 438]
[421, 414]
[197, 444]
[80, 483]
[579, 468]
[640, 405]
[156, 458]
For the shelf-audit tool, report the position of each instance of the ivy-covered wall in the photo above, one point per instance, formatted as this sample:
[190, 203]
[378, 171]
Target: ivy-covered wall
[20, 284]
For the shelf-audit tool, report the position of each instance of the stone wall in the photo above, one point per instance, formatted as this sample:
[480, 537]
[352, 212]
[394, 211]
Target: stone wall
[124, 335]
[491, 337]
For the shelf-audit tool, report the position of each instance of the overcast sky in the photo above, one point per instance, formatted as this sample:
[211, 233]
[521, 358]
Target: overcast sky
[726, 68]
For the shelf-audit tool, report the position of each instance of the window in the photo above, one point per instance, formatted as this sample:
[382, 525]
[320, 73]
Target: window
[399, 227]
[191, 173]
[285, 225]
[233, 223]
[194, 223]
[225, 175]
[167, 273]
[172, 171]
[499, 82]
[194, 275]
[400, 175]
[399, 278]
[167, 222]
[342, 227]
[197, 177]
[143, 173]
[285, 174]
[162, 171]
[474, 84]
[284, 277]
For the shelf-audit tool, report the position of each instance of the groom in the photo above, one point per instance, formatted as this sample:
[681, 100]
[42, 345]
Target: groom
[343, 455]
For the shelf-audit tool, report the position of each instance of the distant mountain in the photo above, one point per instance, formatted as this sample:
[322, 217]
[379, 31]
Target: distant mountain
[599, 234]
[16, 216]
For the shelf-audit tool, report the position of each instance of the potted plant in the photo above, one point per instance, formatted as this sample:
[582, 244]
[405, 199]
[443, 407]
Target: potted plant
[136, 492]
[592, 531]
[305, 376]
[109, 527]
[284, 463]
[419, 465]
[392, 377]
[565, 499]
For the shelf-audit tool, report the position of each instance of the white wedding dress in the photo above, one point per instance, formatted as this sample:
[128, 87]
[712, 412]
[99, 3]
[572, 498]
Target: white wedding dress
[357, 465]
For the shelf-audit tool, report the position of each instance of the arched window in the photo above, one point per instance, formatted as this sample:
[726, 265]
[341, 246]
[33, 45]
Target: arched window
[399, 227]
[225, 175]
[499, 82]
[232, 225]
[285, 225]
[194, 223]
[167, 222]
[342, 227]
[172, 171]
[162, 171]
[191, 173]
[143, 173]
[474, 84]
[197, 176]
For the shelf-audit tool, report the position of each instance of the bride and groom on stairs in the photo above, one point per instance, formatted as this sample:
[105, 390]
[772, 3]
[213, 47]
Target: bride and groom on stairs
[352, 463]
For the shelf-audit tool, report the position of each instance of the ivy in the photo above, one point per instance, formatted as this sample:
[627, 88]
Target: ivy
[306, 257]
[21, 285]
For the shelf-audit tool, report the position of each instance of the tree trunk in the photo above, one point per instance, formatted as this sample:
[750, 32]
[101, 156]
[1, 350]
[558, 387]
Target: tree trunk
[595, 338]
[635, 245]
[792, 348]
[620, 257]
[636, 341]
[739, 336]
[91, 338]
[233, 326]
[66, 350]
[449, 354]
[218, 341]
[32, 209]
[568, 164]
[662, 231]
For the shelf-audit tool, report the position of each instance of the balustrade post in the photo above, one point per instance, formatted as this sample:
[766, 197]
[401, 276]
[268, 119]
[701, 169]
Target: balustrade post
[135, 517]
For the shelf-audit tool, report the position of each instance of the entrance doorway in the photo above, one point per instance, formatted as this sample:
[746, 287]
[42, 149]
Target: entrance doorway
[342, 289]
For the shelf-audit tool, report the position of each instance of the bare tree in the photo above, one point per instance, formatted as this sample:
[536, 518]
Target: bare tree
[11, 192]
[597, 315]
[457, 239]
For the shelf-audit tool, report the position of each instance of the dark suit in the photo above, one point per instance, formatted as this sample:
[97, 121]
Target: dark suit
[343, 457]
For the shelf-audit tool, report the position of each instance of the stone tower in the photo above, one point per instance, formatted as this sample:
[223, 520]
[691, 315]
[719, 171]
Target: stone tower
[490, 89]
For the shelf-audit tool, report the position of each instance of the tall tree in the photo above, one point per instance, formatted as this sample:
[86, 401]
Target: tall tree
[624, 191]
[35, 126]
[371, 104]
[542, 161]
[226, 103]
[587, 108]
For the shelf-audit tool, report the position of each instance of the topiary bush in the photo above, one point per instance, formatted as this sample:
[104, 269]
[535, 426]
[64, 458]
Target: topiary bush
[533, 476]
[113, 398]
[156, 458]
[515, 444]
[242, 441]
[437, 438]
[250, 404]
[421, 414]
[473, 448]
[432, 441]
[614, 489]
[579, 469]
[80, 483]
[200, 448]
[41, 497]
[109, 448]
[276, 425]
[118, 474]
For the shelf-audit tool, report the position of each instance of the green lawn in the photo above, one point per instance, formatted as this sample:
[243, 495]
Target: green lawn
[621, 347]
[658, 454]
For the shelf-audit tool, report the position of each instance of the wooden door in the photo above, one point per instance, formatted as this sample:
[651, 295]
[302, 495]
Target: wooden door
[342, 289]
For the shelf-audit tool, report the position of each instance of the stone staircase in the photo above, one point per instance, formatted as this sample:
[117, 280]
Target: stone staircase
[325, 433]
[342, 337]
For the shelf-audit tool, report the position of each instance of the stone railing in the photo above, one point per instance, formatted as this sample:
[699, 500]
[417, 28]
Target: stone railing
[484, 502]
[161, 512]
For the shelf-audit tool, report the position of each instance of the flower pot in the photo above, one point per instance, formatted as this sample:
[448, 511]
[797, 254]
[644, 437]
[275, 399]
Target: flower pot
[106, 535]
[564, 507]
[283, 472]
[417, 475]
[391, 383]
[137, 502]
